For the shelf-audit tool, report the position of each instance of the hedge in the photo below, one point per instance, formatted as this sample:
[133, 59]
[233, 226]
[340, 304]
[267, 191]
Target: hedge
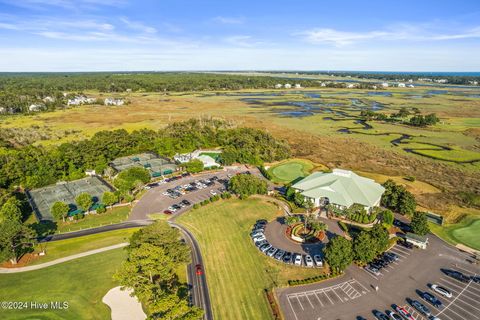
[313, 279]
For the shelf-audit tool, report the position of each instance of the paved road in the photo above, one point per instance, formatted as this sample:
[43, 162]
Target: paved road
[86, 232]
[200, 294]
[353, 294]
[61, 260]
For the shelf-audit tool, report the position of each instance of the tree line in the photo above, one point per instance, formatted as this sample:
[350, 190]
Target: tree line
[19, 90]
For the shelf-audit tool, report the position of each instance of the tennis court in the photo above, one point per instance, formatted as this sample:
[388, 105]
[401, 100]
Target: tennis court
[42, 199]
[154, 164]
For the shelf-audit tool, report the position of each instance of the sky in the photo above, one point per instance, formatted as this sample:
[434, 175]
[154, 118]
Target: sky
[166, 35]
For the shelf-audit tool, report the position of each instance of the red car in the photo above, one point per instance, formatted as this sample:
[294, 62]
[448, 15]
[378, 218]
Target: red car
[167, 212]
[404, 313]
[198, 270]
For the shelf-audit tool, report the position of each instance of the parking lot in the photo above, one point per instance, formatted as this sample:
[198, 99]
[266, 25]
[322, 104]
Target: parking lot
[399, 284]
[155, 201]
[317, 299]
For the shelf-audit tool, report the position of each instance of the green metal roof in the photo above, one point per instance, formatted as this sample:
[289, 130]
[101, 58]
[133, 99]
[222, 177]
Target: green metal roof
[341, 187]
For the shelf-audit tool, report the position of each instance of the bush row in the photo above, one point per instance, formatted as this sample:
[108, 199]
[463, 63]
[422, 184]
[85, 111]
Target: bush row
[313, 279]
[224, 195]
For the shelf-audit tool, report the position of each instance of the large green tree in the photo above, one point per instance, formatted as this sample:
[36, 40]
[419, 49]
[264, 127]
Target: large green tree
[11, 210]
[194, 166]
[15, 240]
[339, 253]
[60, 210]
[364, 247]
[397, 198]
[419, 223]
[131, 179]
[246, 185]
[109, 198]
[84, 201]
[381, 237]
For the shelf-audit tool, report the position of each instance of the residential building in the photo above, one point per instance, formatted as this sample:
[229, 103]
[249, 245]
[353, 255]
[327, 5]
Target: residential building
[80, 100]
[401, 85]
[298, 86]
[385, 85]
[288, 86]
[205, 156]
[36, 107]
[341, 188]
[113, 102]
[278, 86]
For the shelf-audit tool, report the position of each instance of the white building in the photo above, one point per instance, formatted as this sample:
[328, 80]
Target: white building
[114, 102]
[48, 99]
[36, 107]
[278, 86]
[350, 86]
[298, 86]
[79, 100]
[202, 155]
[90, 173]
[341, 188]
[410, 86]
[3, 110]
[385, 85]
[288, 85]
[401, 85]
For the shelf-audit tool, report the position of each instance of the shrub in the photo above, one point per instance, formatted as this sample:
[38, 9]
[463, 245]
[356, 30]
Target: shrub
[343, 226]
[79, 216]
[196, 206]
[101, 209]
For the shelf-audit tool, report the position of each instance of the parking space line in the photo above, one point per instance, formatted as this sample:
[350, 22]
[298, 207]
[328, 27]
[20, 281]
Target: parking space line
[337, 295]
[449, 281]
[450, 309]
[367, 290]
[464, 310]
[301, 305]
[296, 318]
[318, 299]
[328, 297]
[456, 297]
[445, 315]
[311, 304]
[469, 304]
[371, 275]
[463, 269]
[400, 253]
[409, 251]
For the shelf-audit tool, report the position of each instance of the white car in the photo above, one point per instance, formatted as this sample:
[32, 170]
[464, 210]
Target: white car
[393, 315]
[259, 238]
[309, 261]
[172, 209]
[442, 290]
[298, 259]
[166, 193]
[318, 260]
[213, 193]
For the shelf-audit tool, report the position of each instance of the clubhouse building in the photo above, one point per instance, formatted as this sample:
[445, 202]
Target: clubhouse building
[341, 188]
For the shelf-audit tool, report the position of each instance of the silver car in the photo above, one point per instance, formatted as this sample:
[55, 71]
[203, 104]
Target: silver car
[272, 251]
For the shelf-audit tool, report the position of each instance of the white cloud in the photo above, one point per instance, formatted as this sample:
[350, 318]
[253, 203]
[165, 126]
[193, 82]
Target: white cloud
[139, 26]
[400, 32]
[242, 41]
[229, 20]
[73, 5]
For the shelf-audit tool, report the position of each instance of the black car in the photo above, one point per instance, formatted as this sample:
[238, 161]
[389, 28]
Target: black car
[287, 258]
[457, 275]
[186, 202]
[214, 178]
[176, 206]
[380, 315]
[432, 299]
[476, 279]
[405, 244]
[262, 221]
[185, 174]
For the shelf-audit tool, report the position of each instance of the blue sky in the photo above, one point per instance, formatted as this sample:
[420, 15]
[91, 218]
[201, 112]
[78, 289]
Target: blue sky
[103, 35]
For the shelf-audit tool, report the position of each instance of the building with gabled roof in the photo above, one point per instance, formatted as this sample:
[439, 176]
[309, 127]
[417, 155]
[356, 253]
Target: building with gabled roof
[341, 188]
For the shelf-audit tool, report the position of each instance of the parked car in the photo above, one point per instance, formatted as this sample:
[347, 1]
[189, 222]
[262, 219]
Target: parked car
[186, 202]
[272, 251]
[432, 300]
[279, 254]
[298, 259]
[404, 313]
[393, 315]
[287, 258]
[213, 193]
[259, 238]
[380, 315]
[441, 290]
[318, 260]
[405, 244]
[256, 234]
[171, 208]
[372, 270]
[421, 307]
[265, 247]
[259, 244]
[456, 275]
[392, 255]
[475, 279]
[308, 260]
[262, 221]
[167, 211]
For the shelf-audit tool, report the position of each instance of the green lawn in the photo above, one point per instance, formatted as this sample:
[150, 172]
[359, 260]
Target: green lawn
[63, 248]
[115, 215]
[237, 273]
[466, 232]
[82, 283]
[290, 170]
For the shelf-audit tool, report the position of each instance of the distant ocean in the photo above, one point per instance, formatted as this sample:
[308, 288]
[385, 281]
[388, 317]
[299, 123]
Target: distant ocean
[412, 73]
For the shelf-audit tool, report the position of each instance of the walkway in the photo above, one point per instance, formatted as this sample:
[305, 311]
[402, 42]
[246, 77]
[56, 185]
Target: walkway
[61, 260]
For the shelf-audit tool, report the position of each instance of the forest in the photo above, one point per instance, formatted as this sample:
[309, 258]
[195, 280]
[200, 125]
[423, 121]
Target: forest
[37, 166]
[19, 90]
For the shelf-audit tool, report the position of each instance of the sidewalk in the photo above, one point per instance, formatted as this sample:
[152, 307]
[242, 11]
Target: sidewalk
[61, 260]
